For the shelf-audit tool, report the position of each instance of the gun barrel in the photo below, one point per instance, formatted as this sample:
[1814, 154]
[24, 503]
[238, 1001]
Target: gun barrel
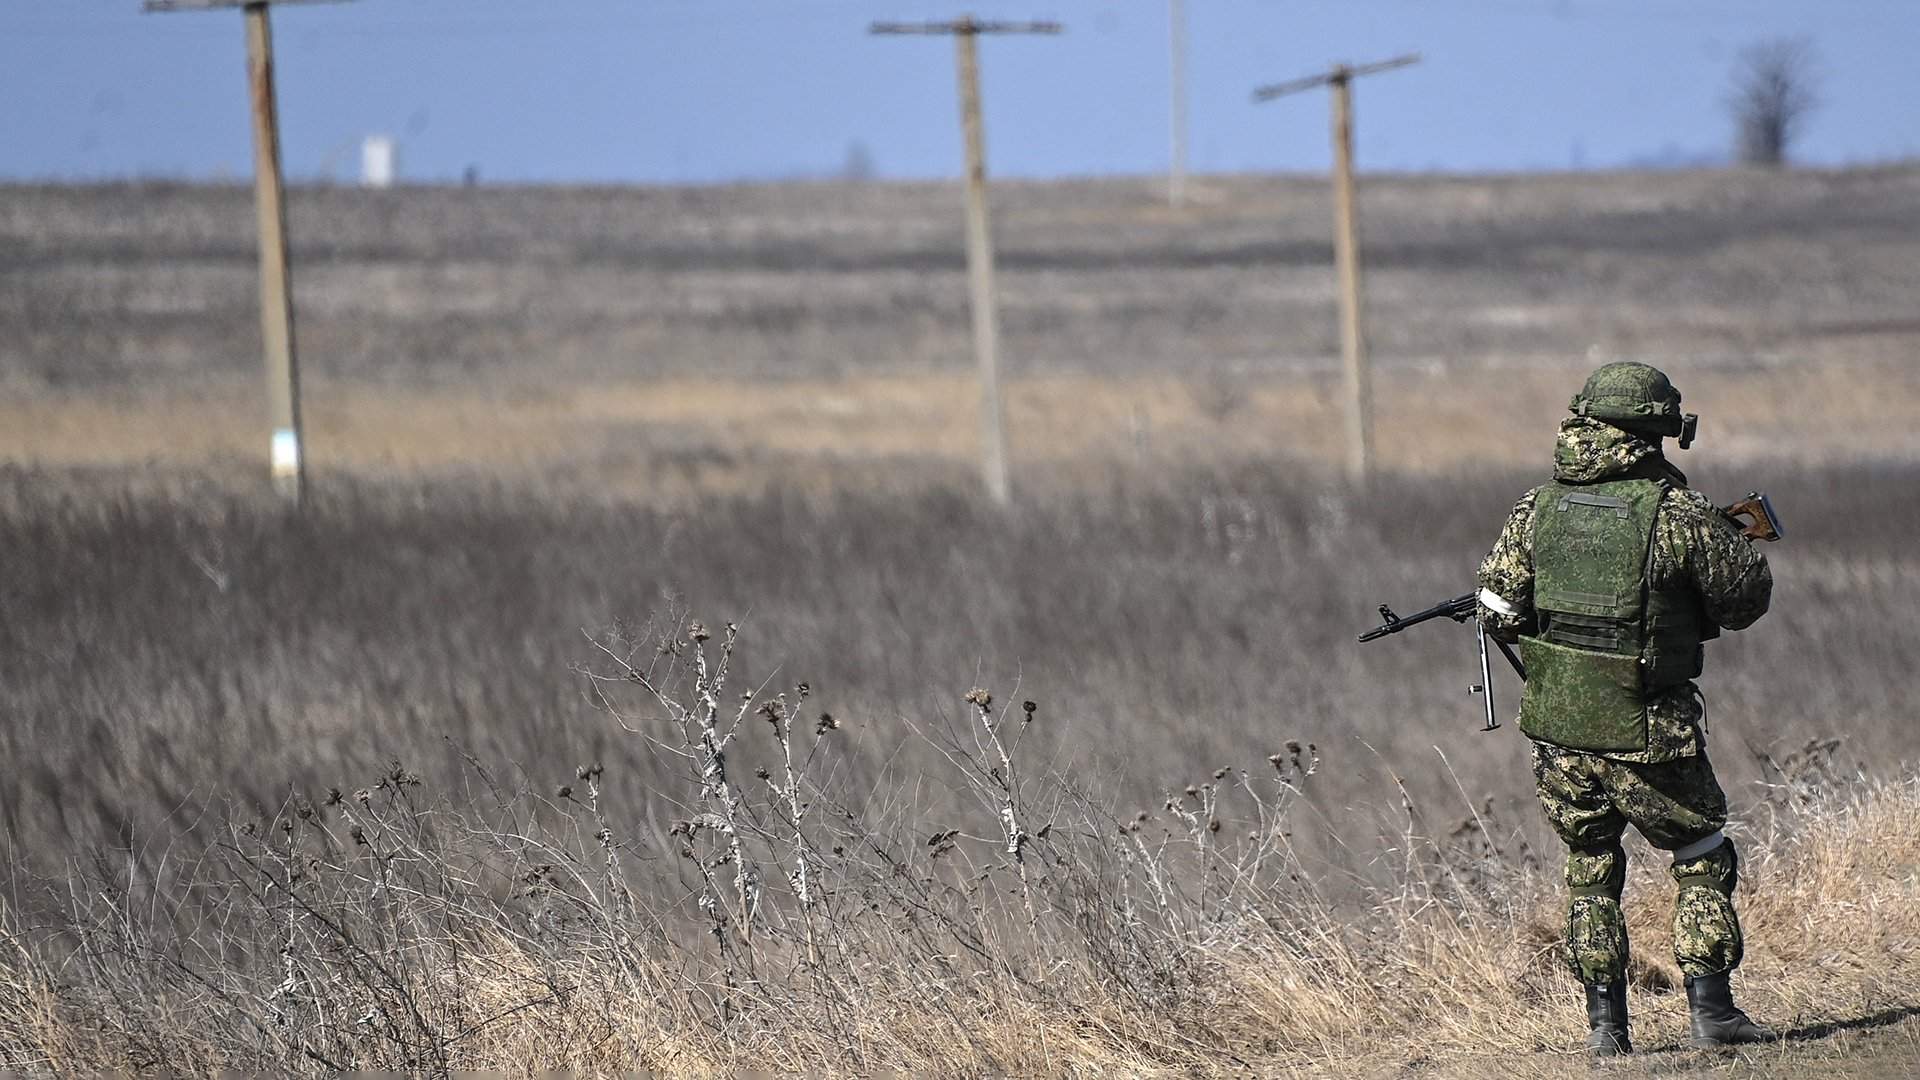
[1458, 608]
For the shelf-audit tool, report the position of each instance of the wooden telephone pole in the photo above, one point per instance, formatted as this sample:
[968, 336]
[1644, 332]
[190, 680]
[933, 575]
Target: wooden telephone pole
[286, 449]
[986, 320]
[1346, 251]
[1176, 102]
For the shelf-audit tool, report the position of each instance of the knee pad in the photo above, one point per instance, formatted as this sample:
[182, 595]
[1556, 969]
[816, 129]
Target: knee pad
[1716, 868]
[1600, 870]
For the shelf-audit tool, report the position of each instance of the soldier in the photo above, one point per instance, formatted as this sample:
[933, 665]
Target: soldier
[1611, 576]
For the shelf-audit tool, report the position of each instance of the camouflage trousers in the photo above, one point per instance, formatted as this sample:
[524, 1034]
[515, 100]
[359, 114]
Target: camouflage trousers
[1590, 800]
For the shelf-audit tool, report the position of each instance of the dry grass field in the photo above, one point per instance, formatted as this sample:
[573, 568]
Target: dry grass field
[664, 342]
[550, 428]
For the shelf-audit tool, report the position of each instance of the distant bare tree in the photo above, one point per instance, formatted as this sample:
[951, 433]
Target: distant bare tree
[1773, 91]
[858, 164]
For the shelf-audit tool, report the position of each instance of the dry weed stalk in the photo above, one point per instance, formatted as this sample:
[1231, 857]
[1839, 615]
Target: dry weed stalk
[1005, 788]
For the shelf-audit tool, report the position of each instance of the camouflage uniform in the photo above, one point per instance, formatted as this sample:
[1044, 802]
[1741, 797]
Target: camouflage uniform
[1667, 789]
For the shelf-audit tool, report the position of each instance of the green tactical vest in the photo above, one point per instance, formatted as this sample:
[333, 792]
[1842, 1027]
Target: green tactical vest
[1607, 639]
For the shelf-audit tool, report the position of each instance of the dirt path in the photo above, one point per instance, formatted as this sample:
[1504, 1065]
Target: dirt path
[1879, 1046]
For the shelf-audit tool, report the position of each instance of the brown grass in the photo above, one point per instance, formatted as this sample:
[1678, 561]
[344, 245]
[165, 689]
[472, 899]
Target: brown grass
[195, 667]
[1349, 921]
[1194, 940]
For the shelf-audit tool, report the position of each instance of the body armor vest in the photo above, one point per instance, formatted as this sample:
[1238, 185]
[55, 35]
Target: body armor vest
[1608, 640]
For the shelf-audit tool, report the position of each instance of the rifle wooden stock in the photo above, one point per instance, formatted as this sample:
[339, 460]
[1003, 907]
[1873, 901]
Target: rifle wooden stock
[1754, 514]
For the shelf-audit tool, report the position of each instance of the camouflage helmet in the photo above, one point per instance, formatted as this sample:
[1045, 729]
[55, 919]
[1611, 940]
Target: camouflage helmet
[1637, 397]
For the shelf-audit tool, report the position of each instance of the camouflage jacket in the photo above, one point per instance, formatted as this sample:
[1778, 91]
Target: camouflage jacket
[1694, 545]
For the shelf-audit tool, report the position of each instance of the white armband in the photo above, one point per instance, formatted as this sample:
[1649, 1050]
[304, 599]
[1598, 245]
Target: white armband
[1700, 847]
[1497, 604]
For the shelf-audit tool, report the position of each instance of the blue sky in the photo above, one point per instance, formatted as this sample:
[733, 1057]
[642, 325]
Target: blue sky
[714, 90]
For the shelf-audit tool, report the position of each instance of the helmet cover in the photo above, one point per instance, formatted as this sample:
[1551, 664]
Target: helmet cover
[1637, 397]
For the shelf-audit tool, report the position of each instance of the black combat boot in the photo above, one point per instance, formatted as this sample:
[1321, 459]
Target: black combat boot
[1714, 1019]
[1607, 1016]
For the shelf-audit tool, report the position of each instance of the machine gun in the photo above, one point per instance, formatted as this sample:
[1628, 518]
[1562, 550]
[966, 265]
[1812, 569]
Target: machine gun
[1459, 609]
[1754, 514]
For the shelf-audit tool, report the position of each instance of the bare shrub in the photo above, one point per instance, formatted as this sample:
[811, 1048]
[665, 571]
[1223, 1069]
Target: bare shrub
[1774, 90]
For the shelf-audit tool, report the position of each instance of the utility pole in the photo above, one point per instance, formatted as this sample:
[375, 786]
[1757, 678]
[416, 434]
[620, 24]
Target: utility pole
[1177, 102]
[1346, 251]
[285, 450]
[986, 320]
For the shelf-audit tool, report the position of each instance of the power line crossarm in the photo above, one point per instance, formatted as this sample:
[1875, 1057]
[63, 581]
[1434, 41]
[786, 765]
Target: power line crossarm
[1338, 73]
[162, 6]
[966, 25]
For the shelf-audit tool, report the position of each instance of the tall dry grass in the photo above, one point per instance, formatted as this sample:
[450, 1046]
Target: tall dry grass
[191, 675]
[162, 648]
[793, 921]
